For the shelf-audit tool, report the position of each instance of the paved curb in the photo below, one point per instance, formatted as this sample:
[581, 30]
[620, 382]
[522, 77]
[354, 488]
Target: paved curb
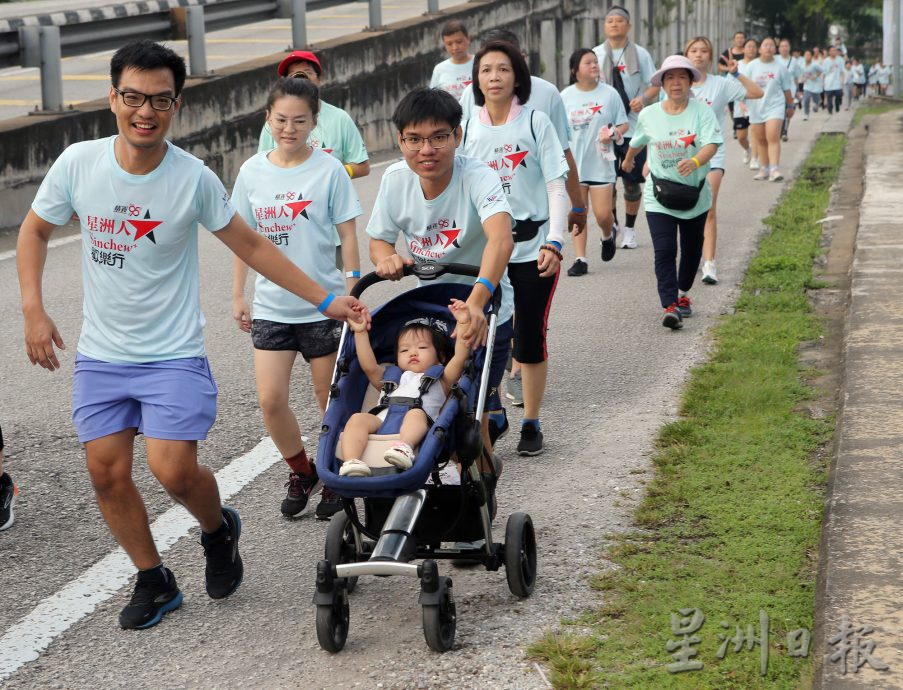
[130, 9]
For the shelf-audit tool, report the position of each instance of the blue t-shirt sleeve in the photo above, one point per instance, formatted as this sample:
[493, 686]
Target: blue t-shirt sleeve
[485, 190]
[352, 142]
[344, 204]
[551, 156]
[640, 135]
[736, 90]
[647, 68]
[53, 202]
[467, 101]
[212, 203]
[381, 225]
[709, 131]
[786, 80]
[267, 143]
[559, 118]
[434, 80]
[241, 200]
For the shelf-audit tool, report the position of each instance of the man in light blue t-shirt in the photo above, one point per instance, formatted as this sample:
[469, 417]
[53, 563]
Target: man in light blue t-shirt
[140, 365]
[454, 74]
[448, 208]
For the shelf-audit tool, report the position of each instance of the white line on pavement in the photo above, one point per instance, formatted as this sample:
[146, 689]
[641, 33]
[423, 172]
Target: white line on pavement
[25, 641]
[60, 241]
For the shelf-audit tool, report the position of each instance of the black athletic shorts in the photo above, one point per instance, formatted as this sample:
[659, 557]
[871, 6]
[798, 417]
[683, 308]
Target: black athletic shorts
[532, 303]
[312, 340]
[741, 123]
[635, 175]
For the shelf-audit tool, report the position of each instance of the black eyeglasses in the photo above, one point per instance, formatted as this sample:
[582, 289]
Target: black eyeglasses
[437, 141]
[133, 99]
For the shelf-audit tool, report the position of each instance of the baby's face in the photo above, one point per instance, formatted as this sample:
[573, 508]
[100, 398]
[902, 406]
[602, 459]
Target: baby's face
[416, 352]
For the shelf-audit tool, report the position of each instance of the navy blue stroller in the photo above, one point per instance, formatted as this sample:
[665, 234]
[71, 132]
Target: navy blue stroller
[408, 515]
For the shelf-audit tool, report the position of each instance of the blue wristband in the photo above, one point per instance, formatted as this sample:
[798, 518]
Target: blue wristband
[555, 244]
[486, 284]
[578, 209]
[352, 274]
[324, 305]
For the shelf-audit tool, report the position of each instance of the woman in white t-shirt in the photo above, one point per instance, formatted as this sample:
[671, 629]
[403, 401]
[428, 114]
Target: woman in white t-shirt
[766, 115]
[598, 120]
[295, 195]
[741, 113]
[716, 92]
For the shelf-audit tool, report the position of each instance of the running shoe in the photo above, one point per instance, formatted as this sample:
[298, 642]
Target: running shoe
[354, 468]
[225, 570]
[629, 241]
[761, 175]
[400, 455]
[753, 163]
[784, 137]
[495, 430]
[775, 175]
[672, 318]
[609, 246]
[330, 504]
[578, 269]
[709, 277]
[514, 390]
[151, 599]
[747, 155]
[8, 493]
[300, 489]
[805, 118]
[684, 307]
[530, 441]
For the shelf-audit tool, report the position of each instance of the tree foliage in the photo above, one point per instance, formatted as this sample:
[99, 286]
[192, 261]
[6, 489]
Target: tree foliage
[806, 22]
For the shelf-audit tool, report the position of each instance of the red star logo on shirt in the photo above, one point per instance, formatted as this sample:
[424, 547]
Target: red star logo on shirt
[451, 237]
[145, 227]
[688, 140]
[327, 150]
[596, 108]
[621, 68]
[467, 83]
[298, 207]
[517, 158]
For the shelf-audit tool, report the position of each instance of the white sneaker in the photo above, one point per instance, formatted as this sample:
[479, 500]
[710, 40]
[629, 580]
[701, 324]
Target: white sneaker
[746, 156]
[401, 455]
[354, 468]
[775, 175]
[628, 240]
[805, 118]
[709, 277]
[754, 164]
[761, 175]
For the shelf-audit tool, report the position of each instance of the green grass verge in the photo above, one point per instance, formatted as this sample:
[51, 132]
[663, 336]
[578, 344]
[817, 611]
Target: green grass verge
[875, 109]
[731, 521]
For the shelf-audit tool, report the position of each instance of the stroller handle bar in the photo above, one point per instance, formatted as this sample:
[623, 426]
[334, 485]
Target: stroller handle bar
[429, 271]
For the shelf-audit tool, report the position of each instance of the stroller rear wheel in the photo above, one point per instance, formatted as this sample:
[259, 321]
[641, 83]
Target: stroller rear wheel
[440, 620]
[341, 546]
[332, 622]
[520, 554]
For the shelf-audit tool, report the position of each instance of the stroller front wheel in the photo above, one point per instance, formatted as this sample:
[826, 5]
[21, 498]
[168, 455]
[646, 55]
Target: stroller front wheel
[341, 546]
[440, 620]
[520, 554]
[333, 621]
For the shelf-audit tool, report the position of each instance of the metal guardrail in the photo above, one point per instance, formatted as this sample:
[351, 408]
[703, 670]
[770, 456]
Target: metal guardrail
[45, 46]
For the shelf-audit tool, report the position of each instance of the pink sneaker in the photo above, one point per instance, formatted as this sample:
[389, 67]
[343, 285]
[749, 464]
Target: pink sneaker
[401, 455]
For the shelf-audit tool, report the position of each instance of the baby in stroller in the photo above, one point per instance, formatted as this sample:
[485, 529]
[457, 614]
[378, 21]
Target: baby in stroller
[420, 348]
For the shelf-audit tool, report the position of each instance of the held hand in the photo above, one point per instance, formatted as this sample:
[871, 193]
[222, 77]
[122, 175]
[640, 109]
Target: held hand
[628, 164]
[576, 221]
[40, 337]
[606, 135]
[474, 331]
[460, 312]
[392, 267]
[548, 263]
[349, 309]
[636, 105]
[686, 167]
[357, 325]
[241, 313]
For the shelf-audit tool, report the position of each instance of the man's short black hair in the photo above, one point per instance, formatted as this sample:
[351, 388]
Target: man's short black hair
[495, 35]
[146, 55]
[522, 81]
[452, 27]
[424, 104]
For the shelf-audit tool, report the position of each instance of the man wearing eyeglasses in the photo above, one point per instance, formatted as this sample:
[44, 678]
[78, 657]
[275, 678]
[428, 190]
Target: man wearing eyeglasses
[447, 208]
[140, 365]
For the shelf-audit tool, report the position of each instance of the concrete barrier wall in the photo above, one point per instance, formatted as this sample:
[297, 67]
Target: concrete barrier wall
[365, 73]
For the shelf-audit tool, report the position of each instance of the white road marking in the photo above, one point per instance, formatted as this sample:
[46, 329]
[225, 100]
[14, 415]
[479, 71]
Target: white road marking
[25, 641]
[59, 242]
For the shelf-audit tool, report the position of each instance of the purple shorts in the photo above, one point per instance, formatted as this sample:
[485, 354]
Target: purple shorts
[174, 400]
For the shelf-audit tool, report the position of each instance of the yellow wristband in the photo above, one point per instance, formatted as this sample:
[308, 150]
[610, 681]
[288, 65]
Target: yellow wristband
[349, 171]
[696, 160]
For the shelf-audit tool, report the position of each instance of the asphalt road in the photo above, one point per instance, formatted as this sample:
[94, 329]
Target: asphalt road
[85, 77]
[615, 375]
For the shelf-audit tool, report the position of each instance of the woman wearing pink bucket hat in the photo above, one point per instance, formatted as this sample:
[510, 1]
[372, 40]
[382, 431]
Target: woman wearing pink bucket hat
[683, 135]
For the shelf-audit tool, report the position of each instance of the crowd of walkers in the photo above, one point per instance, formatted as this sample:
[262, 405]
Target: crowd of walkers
[511, 162]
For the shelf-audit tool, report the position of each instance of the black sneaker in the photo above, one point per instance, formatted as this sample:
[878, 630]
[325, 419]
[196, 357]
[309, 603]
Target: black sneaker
[495, 431]
[579, 268]
[300, 489]
[330, 504]
[224, 571]
[150, 600]
[8, 493]
[530, 441]
[609, 246]
[672, 318]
